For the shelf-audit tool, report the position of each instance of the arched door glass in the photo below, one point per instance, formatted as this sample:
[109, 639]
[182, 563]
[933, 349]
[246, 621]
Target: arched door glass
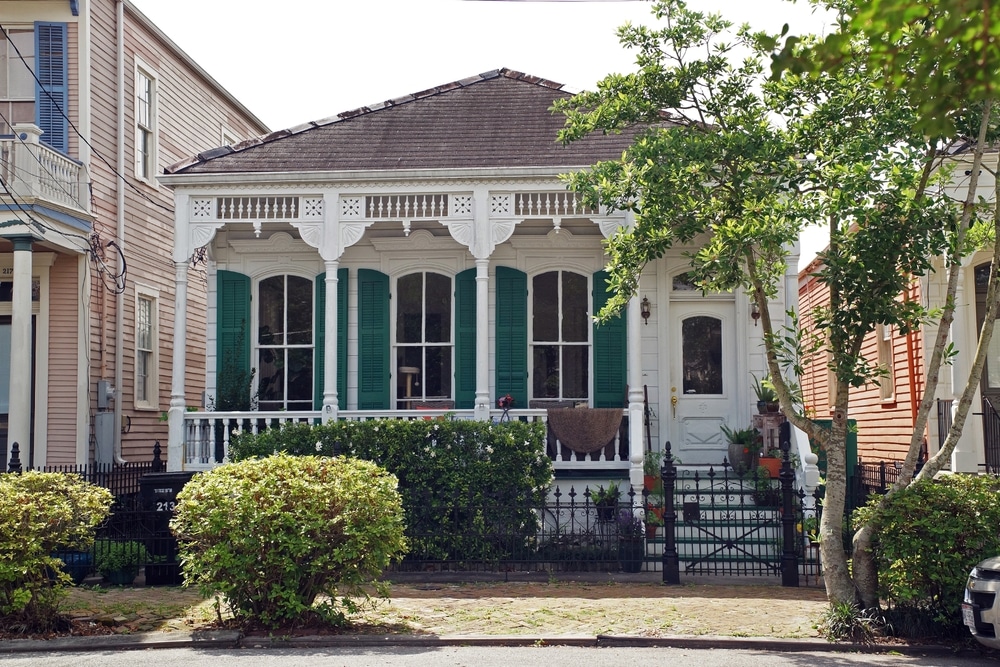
[702, 355]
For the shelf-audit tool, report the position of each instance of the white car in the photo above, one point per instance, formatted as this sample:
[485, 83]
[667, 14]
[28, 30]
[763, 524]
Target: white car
[980, 611]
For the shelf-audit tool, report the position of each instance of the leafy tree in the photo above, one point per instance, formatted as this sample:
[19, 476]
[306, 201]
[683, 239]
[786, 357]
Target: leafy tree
[735, 166]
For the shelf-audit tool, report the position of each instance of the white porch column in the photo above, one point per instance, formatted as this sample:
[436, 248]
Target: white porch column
[19, 425]
[483, 402]
[964, 457]
[635, 405]
[175, 416]
[330, 394]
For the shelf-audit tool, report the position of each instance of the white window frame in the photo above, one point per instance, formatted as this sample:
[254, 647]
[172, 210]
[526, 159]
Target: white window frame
[152, 380]
[561, 344]
[396, 302]
[887, 382]
[145, 164]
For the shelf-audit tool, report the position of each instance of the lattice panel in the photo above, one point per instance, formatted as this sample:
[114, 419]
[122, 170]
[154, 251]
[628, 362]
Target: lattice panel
[548, 204]
[351, 207]
[461, 205]
[500, 205]
[312, 208]
[201, 209]
[395, 207]
[258, 208]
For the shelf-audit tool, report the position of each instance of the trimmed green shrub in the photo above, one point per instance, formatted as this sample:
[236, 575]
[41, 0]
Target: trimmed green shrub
[42, 513]
[929, 536]
[119, 561]
[469, 488]
[270, 535]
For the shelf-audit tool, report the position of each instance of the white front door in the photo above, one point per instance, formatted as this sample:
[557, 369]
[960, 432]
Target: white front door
[702, 378]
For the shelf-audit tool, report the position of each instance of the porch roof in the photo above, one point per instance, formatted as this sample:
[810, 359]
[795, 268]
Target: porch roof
[495, 119]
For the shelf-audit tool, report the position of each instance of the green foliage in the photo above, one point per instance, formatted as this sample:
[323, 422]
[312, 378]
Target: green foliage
[467, 487]
[930, 535]
[270, 535]
[651, 463]
[740, 436]
[41, 513]
[846, 621]
[112, 556]
[605, 496]
[764, 390]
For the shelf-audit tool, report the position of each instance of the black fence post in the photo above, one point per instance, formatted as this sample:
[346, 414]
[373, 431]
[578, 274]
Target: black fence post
[157, 461]
[789, 553]
[671, 560]
[15, 458]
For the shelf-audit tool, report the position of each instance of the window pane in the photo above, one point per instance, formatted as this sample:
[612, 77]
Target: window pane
[142, 376]
[575, 373]
[271, 311]
[144, 326]
[545, 371]
[545, 306]
[574, 308]
[300, 376]
[438, 376]
[409, 373]
[702, 355]
[270, 379]
[409, 308]
[683, 282]
[21, 84]
[300, 311]
[438, 327]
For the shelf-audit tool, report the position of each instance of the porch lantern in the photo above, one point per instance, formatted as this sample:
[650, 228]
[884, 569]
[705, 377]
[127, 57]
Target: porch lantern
[754, 312]
[644, 308]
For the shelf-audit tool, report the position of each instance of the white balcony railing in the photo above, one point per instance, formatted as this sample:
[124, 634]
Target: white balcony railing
[207, 434]
[33, 171]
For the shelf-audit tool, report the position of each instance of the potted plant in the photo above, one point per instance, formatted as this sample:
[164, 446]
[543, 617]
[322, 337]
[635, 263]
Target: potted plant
[631, 546]
[119, 562]
[606, 501]
[77, 564]
[654, 516]
[742, 448]
[767, 398]
[764, 493]
[651, 464]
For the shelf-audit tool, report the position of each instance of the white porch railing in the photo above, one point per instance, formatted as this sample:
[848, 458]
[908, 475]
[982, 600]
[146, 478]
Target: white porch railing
[35, 171]
[207, 434]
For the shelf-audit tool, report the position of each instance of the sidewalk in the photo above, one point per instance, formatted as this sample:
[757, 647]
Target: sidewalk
[591, 609]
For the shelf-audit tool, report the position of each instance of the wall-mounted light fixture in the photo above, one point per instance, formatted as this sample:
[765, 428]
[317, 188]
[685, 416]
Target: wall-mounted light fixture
[754, 312]
[644, 307]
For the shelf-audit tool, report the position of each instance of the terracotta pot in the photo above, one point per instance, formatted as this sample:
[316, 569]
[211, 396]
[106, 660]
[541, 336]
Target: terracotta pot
[772, 464]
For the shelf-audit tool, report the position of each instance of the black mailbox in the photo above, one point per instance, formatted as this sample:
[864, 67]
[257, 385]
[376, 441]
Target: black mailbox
[158, 493]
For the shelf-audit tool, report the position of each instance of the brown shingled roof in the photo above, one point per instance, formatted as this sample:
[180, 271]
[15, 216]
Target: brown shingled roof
[496, 119]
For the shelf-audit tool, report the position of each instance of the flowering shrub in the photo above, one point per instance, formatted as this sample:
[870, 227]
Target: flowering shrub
[468, 487]
[41, 513]
[270, 535]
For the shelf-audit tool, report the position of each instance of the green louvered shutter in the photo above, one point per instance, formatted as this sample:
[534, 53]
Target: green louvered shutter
[465, 340]
[51, 87]
[610, 345]
[512, 334]
[233, 338]
[320, 352]
[319, 344]
[373, 340]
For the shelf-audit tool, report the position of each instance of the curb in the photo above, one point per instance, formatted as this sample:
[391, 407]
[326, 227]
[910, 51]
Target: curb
[230, 639]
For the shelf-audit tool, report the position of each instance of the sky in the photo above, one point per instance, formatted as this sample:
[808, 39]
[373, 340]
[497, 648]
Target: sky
[295, 61]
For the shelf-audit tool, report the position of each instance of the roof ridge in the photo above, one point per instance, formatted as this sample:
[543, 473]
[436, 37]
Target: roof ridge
[362, 111]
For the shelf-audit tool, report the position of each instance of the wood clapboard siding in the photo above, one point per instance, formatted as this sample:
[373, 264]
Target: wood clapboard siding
[191, 115]
[884, 426]
[64, 332]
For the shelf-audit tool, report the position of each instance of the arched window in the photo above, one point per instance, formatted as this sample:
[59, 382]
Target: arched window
[285, 343]
[423, 339]
[560, 336]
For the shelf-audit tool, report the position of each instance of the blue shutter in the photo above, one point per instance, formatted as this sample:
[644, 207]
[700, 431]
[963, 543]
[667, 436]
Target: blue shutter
[373, 340]
[52, 87]
[512, 334]
[465, 340]
[610, 346]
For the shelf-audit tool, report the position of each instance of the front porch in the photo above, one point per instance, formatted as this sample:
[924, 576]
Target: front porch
[207, 436]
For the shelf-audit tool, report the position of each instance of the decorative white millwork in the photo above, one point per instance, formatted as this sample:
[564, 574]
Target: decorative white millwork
[351, 207]
[406, 207]
[351, 233]
[501, 231]
[258, 208]
[406, 227]
[501, 205]
[549, 204]
[201, 233]
[461, 232]
[311, 233]
[461, 205]
[312, 208]
[610, 226]
[202, 209]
